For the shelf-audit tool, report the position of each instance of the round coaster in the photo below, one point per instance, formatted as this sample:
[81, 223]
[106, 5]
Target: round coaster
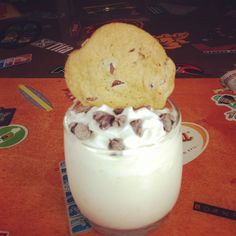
[11, 135]
[195, 140]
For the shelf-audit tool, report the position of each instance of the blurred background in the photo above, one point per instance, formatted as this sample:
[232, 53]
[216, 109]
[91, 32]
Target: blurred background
[199, 35]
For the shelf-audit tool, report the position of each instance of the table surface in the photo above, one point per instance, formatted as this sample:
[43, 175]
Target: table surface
[32, 199]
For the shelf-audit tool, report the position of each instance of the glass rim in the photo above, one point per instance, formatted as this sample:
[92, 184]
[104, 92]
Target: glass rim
[126, 151]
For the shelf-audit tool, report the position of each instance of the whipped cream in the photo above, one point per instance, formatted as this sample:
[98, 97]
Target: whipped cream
[134, 128]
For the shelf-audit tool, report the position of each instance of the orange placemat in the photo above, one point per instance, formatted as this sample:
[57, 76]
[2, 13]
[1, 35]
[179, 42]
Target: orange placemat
[32, 199]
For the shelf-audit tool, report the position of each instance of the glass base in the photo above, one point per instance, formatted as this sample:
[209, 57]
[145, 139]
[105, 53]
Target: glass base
[132, 232]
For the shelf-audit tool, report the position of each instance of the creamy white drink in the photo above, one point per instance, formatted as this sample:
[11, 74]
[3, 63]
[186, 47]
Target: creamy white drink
[124, 167]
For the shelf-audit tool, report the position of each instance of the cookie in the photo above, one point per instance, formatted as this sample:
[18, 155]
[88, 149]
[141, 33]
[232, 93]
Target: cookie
[120, 65]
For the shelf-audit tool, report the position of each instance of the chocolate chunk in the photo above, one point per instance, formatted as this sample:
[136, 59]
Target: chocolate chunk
[119, 121]
[104, 119]
[112, 68]
[137, 126]
[132, 50]
[168, 121]
[116, 144]
[142, 55]
[118, 111]
[72, 127]
[82, 131]
[116, 82]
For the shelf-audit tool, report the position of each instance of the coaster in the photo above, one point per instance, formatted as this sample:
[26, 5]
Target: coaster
[77, 222]
[11, 135]
[195, 140]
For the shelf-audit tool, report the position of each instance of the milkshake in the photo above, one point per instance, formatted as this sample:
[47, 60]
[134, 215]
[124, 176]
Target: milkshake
[131, 186]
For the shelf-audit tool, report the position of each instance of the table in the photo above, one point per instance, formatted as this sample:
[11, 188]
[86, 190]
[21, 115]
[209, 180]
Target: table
[32, 199]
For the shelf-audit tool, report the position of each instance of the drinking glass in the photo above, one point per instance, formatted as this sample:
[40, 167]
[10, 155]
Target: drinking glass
[126, 192]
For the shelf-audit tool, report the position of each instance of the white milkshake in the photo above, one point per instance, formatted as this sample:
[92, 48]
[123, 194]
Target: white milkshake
[125, 168]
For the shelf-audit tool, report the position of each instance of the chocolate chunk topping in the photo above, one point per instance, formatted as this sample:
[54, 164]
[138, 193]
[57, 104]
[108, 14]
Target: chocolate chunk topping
[116, 144]
[104, 119]
[118, 111]
[72, 127]
[119, 121]
[137, 126]
[168, 121]
[82, 131]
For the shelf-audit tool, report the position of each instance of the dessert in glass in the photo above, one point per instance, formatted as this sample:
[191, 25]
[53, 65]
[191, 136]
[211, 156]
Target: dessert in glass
[128, 190]
[122, 138]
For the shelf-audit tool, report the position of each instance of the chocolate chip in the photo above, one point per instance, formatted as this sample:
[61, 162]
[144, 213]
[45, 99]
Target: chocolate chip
[137, 126]
[119, 121]
[104, 119]
[142, 55]
[118, 111]
[82, 131]
[112, 68]
[168, 121]
[117, 82]
[72, 126]
[116, 144]
[132, 50]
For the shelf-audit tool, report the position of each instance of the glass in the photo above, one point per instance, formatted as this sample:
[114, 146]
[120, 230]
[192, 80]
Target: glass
[125, 192]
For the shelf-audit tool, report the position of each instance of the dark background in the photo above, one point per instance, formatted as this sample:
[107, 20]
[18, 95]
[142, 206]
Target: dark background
[208, 22]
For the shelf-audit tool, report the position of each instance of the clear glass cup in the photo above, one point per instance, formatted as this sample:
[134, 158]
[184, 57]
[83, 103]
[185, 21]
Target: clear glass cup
[125, 192]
